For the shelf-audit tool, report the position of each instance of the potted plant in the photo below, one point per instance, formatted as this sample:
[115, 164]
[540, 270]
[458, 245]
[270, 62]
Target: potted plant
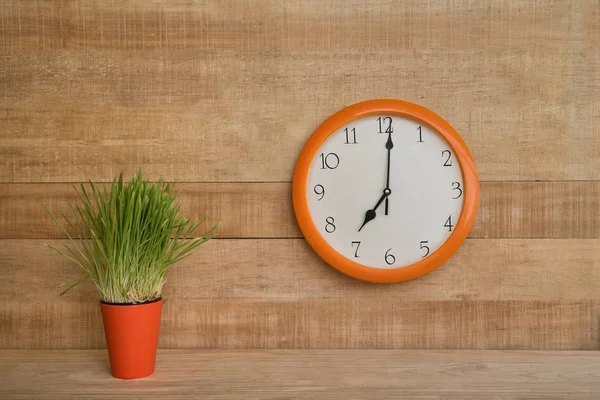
[125, 240]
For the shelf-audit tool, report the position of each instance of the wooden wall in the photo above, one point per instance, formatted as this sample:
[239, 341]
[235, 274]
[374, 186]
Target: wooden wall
[220, 96]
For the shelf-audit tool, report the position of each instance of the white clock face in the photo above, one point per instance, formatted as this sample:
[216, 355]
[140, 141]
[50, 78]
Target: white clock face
[349, 203]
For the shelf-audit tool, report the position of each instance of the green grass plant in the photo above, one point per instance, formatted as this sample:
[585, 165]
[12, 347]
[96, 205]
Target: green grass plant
[126, 238]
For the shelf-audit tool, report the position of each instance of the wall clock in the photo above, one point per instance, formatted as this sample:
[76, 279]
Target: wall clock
[385, 191]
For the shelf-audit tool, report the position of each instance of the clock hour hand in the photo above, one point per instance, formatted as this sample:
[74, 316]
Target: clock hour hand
[371, 214]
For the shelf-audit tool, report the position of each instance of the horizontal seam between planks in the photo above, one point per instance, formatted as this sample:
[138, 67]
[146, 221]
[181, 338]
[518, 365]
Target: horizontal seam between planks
[289, 182]
[302, 238]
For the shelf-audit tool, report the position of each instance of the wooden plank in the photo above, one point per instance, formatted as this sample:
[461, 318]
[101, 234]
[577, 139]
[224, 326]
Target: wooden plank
[264, 210]
[322, 323]
[538, 209]
[315, 374]
[170, 131]
[288, 270]
[245, 210]
[309, 25]
[231, 92]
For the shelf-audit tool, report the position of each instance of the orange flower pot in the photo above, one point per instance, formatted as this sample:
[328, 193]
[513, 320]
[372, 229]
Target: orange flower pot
[132, 337]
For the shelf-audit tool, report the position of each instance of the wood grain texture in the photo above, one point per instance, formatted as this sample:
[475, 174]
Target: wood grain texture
[220, 97]
[320, 323]
[306, 26]
[494, 294]
[288, 270]
[264, 210]
[90, 90]
[315, 375]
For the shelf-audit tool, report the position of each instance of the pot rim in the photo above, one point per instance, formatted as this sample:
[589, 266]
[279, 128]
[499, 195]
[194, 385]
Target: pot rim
[131, 304]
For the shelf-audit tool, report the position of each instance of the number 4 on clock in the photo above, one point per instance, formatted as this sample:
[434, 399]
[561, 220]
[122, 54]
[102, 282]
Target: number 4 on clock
[448, 224]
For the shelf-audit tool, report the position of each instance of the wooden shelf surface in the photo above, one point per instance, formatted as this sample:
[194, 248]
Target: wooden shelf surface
[307, 374]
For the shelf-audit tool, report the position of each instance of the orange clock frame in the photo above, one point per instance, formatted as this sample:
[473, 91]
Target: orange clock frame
[387, 107]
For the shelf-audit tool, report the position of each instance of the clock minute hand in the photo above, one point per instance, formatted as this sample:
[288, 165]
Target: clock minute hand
[389, 145]
[371, 214]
